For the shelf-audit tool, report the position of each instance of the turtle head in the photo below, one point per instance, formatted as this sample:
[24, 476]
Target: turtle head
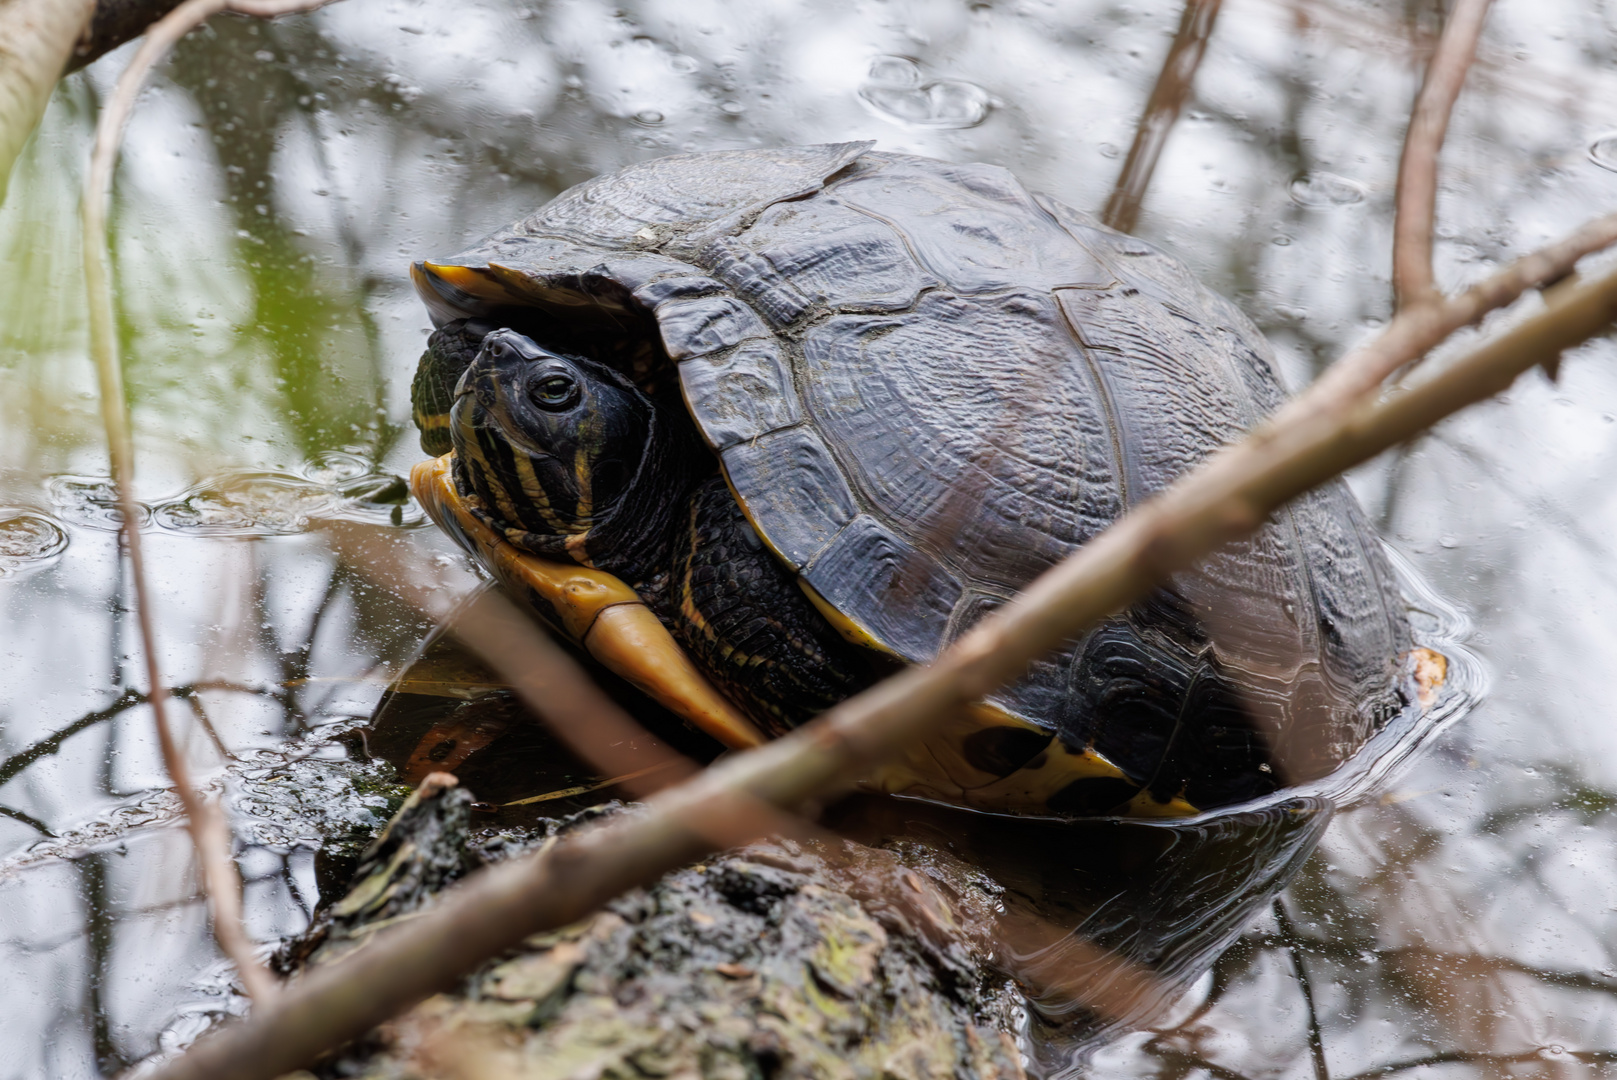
[549, 443]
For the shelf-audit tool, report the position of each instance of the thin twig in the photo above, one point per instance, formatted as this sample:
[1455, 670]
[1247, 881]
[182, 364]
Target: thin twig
[1415, 211]
[1419, 328]
[1293, 945]
[1162, 110]
[1226, 497]
[210, 833]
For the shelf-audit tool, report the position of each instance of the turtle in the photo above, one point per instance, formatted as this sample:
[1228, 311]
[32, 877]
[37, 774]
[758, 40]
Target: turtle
[757, 427]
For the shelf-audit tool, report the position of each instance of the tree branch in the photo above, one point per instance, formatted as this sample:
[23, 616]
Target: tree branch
[1416, 207]
[36, 39]
[115, 22]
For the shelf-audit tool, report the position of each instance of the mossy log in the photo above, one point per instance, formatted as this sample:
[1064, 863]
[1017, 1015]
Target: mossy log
[783, 959]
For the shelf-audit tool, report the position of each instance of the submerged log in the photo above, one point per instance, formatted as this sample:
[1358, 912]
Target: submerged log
[783, 959]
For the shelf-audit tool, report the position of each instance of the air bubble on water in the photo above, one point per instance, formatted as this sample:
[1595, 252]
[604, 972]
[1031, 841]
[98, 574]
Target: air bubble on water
[1447, 541]
[1603, 152]
[333, 485]
[894, 71]
[648, 117]
[29, 540]
[896, 89]
[90, 501]
[1322, 190]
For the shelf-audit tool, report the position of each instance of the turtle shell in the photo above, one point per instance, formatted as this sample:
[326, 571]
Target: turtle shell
[926, 385]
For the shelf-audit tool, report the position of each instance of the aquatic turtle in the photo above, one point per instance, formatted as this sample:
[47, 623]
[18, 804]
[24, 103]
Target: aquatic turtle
[756, 426]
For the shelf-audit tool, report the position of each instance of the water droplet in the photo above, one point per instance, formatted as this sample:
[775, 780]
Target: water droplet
[1107, 150]
[648, 117]
[1603, 152]
[1448, 541]
[1281, 241]
[1320, 190]
[29, 540]
[895, 89]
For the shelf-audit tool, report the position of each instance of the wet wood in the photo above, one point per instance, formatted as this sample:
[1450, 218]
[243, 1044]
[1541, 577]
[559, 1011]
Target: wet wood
[780, 959]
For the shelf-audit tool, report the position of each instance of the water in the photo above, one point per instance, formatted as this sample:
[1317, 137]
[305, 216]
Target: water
[276, 182]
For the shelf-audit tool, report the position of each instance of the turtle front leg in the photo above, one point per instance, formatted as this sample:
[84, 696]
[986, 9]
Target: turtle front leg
[744, 620]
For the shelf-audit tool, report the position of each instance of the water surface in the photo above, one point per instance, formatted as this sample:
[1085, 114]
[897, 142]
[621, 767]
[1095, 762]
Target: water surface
[276, 182]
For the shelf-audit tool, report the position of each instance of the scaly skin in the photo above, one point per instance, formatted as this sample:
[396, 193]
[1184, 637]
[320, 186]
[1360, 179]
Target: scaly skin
[675, 534]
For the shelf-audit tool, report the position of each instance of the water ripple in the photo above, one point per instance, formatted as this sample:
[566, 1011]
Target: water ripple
[244, 502]
[29, 540]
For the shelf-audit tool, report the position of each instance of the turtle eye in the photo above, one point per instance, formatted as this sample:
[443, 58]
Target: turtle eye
[553, 391]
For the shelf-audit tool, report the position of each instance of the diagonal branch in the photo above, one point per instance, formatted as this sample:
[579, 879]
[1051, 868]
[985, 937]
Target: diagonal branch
[1415, 211]
[1228, 496]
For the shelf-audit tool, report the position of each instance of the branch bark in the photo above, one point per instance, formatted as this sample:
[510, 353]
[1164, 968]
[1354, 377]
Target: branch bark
[1416, 206]
[36, 40]
[1162, 109]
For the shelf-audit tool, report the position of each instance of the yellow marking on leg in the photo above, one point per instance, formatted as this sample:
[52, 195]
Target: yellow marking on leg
[596, 609]
[633, 642]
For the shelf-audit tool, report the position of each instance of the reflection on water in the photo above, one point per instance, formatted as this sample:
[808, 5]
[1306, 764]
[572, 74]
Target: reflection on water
[279, 178]
[28, 540]
[335, 486]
